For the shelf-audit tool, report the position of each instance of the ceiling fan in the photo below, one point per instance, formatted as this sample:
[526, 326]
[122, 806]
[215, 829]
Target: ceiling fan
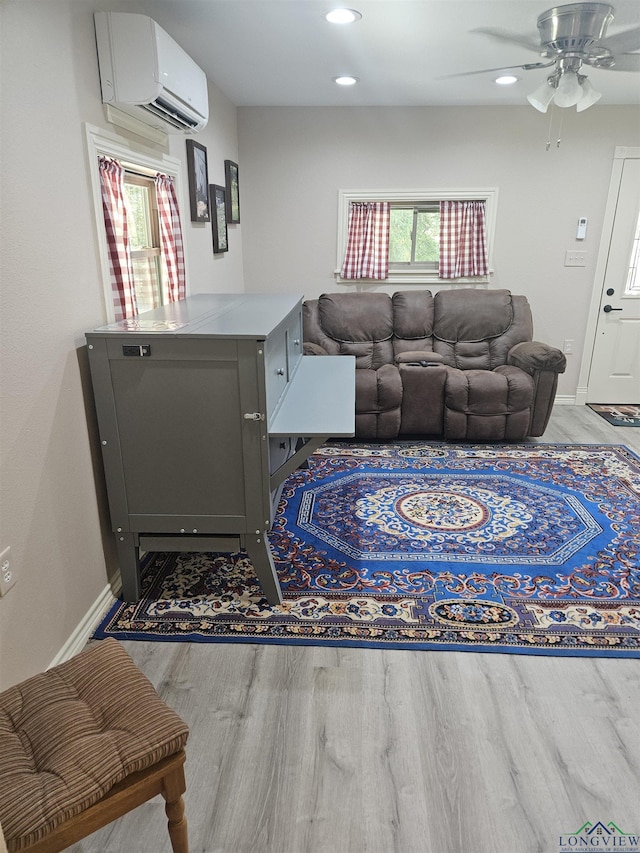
[572, 37]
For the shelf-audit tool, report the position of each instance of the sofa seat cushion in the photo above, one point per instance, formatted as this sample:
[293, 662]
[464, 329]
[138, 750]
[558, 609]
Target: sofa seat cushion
[68, 735]
[488, 405]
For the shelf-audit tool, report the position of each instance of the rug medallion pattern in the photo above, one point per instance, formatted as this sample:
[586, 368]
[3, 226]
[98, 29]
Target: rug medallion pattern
[530, 548]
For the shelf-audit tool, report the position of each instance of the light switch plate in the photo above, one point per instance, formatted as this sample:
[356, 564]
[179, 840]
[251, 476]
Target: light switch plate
[575, 259]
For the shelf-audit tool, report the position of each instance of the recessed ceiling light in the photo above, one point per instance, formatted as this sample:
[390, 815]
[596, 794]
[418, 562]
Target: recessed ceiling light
[506, 80]
[345, 80]
[343, 16]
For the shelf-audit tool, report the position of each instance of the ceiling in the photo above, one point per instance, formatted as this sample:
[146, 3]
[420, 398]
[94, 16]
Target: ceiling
[283, 52]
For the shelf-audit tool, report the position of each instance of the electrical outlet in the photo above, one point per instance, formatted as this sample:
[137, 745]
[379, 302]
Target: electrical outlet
[567, 347]
[7, 573]
[575, 259]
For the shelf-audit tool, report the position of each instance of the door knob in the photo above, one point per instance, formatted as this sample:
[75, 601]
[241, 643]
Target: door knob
[608, 308]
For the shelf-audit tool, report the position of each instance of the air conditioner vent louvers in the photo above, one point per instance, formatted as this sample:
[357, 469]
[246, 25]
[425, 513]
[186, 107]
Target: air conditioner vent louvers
[163, 110]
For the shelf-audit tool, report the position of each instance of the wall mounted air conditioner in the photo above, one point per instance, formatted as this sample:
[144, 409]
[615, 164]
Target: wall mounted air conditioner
[145, 73]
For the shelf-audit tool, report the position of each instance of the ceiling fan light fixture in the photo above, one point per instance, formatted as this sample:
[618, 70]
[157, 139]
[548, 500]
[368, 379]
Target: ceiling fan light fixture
[589, 96]
[568, 90]
[542, 97]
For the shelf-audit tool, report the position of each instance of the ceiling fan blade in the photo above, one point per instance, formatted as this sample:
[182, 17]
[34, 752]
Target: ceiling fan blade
[527, 67]
[511, 38]
[626, 62]
[624, 42]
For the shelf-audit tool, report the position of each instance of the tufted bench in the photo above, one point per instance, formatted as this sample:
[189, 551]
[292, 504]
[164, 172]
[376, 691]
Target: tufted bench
[82, 744]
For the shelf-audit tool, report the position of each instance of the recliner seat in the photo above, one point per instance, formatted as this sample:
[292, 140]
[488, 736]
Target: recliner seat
[461, 364]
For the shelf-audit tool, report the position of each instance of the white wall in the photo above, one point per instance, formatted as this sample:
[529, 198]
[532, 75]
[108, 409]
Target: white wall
[220, 273]
[294, 160]
[51, 294]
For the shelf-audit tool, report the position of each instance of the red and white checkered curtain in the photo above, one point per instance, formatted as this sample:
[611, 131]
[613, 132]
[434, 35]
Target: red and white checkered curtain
[463, 242]
[367, 254]
[115, 220]
[170, 238]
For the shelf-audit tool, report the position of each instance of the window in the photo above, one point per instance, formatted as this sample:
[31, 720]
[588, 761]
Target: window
[414, 231]
[155, 251]
[144, 240]
[632, 287]
[414, 237]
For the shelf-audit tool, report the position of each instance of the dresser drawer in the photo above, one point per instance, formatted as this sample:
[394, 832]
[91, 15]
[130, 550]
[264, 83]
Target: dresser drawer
[294, 341]
[283, 350]
[276, 367]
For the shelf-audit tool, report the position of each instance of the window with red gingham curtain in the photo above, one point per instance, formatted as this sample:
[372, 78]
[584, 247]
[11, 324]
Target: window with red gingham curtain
[115, 220]
[170, 238]
[367, 253]
[463, 242]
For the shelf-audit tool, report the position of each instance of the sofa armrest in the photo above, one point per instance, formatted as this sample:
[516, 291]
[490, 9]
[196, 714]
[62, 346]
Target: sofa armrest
[313, 349]
[543, 363]
[533, 356]
[425, 358]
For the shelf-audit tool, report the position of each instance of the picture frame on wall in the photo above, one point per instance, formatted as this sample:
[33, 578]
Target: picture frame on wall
[233, 191]
[198, 181]
[217, 196]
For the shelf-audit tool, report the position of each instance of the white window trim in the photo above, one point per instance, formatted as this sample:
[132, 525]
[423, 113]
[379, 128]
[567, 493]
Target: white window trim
[416, 276]
[101, 142]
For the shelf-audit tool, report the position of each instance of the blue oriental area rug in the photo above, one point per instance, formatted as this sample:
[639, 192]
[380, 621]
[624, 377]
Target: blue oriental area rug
[531, 548]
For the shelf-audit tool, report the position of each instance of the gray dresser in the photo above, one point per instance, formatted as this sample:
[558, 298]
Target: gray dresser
[204, 408]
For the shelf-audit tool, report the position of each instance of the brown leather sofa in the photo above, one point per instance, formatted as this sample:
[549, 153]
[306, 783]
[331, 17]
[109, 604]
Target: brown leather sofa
[460, 365]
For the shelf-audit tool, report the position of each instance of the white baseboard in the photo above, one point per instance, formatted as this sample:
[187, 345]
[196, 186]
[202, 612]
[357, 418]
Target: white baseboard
[581, 397]
[78, 639]
[565, 400]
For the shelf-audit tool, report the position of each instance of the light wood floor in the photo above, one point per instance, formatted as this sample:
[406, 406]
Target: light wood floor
[314, 750]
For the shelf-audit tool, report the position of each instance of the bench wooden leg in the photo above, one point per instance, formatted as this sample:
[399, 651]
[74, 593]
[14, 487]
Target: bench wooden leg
[173, 788]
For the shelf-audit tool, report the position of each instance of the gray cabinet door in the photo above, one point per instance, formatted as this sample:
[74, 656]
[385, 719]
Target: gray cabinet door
[183, 445]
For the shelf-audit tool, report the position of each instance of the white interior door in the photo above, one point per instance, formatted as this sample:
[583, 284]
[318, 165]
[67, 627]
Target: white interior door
[615, 366]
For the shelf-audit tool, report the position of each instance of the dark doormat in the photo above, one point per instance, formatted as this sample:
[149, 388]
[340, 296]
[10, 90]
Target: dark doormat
[618, 414]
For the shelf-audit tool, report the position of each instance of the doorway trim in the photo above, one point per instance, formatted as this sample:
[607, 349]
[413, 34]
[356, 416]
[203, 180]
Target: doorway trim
[620, 154]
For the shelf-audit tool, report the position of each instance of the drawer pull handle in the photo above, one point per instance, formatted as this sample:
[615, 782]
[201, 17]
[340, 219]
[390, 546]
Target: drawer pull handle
[280, 371]
[253, 416]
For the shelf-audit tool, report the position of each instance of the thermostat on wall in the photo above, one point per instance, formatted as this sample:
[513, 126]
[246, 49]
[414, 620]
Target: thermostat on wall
[581, 233]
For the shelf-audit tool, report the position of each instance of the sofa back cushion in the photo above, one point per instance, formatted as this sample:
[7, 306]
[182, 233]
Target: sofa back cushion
[412, 321]
[475, 329]
[470, 329]
[359, 325]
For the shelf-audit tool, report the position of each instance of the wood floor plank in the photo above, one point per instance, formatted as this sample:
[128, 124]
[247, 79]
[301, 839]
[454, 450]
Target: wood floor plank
[299, 749]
